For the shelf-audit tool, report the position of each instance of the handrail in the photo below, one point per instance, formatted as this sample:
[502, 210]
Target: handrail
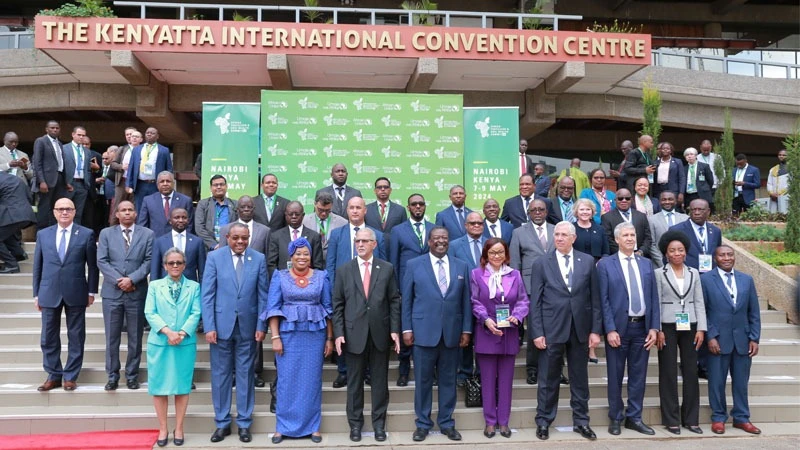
[335, 11]
[792, 70]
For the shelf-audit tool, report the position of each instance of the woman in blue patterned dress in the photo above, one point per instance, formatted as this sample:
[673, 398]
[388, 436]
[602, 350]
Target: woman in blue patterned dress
[299, 314]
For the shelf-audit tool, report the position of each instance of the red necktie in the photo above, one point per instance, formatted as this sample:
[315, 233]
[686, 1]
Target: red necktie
[166, 206]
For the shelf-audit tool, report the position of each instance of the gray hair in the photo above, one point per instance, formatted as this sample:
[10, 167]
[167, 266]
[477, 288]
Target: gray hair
[690, 150]
[166, 173]
[570, 227]
[622, 227]
[324, 198]
[172, 251]
[370, 231]
[583, 201]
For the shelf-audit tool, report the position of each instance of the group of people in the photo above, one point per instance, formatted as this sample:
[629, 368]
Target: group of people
[358, 281]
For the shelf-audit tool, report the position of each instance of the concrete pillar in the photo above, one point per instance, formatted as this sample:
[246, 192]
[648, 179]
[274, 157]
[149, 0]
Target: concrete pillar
[278, 68]
[421, 80]
[540, 112]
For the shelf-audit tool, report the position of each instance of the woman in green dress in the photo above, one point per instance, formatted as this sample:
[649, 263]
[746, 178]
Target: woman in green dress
[173, 310]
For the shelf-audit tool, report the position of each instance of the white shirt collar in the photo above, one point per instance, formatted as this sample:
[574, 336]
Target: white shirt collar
[68, 228]
[121, 227]
[434, 259]
[361, 261]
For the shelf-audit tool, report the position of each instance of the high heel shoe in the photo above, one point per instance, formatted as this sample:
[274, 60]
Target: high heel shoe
[488, 431]
[163, 442]
[176, 440]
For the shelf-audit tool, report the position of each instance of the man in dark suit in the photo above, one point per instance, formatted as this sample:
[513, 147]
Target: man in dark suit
[214, 212]
[278, 254]
[624, 213]
[408, 241]
[565, 319]
[384, 214]
[52, 178]
[15, 214]
[366, 316]
[147, 161]
[104, 183]
[631, 319]
[157, 206]
[342, 193]
[525, 162]
[454, 216]
[670, 174]
[123, 256]
[746, 179]
[133, 137]
[77, 157]
[541, 181]
[269, 206]
[468, 248]
[515, 209]
[437, 320]
[637, 162]
[191, 245]
[561, 207]
[734, 329]
[341, 249]
[234, 287]
[705, 237]
[259, 234]
[66, 257]
[494, 226]
[699, 179]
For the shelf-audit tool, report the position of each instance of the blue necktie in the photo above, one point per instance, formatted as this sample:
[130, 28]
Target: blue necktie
[355, 253]
[442, 278]
[239, 268]
[62, 246]
[730, 286]
[636, 300]
[460, 218]
[476, 251]
[669, 219]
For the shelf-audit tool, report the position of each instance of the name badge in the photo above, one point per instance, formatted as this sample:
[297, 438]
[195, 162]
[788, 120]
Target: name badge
[682, 322]
[702, 177]
[704, 263]
[502, 313]
[650, 178]
[149, 168]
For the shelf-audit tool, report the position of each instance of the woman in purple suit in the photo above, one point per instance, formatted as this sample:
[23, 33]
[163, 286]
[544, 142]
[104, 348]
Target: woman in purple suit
[499, 303]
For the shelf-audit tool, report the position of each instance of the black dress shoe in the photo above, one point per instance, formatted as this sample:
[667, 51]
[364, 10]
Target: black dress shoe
[10, 269]
[702, 373]
[585, 431]
[176, 440]
[340, 381]
[436, 381]
[674, 430]
[244, 435]
[613, 427]
[111, 385]
[419, 434]
[380, 434]
[639, 426]
[132, 384]
[452, 434]
[532, 378]
[461, 382]
[355, 434]
[488, 432]
[277, 438]
[564, 379]
[219, 434]
[694, 429]
[368, 380]
[402, 380]
[163, 442]
[505, 432]
[542, 433]
[194, 386]
[260, 382]
[316, 438]
[22, 257]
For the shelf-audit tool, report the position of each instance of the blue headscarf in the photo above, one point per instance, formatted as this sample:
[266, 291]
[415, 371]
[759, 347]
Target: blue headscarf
[297, 243]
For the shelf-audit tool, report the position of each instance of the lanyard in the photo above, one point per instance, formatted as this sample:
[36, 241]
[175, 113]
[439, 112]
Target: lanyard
[385, 212]
[322, 225]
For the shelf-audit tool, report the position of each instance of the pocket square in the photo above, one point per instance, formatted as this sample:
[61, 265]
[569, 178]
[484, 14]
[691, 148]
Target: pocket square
[460, 277]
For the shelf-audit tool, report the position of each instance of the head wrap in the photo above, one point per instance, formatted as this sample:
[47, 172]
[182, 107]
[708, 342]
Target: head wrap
[297, 243]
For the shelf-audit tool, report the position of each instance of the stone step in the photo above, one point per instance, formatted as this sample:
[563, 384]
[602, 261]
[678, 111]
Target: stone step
[93, 393]
[400, 418]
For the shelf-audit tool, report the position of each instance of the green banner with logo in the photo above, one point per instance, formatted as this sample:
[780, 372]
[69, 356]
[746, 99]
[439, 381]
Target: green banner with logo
[231, 147]
[415, 140]
[491, 146]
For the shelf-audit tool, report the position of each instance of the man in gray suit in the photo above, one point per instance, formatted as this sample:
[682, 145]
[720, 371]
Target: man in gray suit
[213, 213]
[123, 256]
[13, 160]
[341, 192]
[54, 181]
[366, 316]
[279, 241]
[660, 223]
[322, 220]
[259, 234]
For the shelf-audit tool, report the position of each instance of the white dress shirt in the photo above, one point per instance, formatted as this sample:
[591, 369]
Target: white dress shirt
[182, 245]
[435, 265]
[732, 288]
[59, 234]
[624, 261]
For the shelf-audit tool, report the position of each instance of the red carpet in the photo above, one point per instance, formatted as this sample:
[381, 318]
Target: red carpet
[117, 440]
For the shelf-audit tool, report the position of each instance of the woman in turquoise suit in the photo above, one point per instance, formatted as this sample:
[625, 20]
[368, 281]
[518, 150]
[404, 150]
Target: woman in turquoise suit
[299, 315]
[173, 310]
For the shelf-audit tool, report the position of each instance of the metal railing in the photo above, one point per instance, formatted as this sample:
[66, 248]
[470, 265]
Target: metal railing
[412, 17]
[16, 39]
[757, 66]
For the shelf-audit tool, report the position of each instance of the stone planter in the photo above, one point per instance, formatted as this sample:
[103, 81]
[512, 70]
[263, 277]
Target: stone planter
[791, 271]
[752, 246]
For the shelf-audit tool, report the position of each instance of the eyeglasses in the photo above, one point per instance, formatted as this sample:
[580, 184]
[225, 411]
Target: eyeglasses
[496, 253]
[624, 199]
[64, 210]
[475, 223]
[174, 263]
[381, 188]
[218, 185]
[567, 188]
[363, 241]
[416, 204]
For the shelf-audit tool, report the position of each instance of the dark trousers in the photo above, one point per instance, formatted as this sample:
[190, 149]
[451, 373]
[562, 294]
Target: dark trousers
[632, 352]
[51, 341]
[129, 310]
[678, 342]
[739, 204]
[231, 358]
[378, 363]
[404, 358]
[143, 189]
[10, 246]
[532, 353]
[47, 201]
[550, 362]
[467, 362]
[426, 361]
[80, 197]
[718, 368]
[258, 363]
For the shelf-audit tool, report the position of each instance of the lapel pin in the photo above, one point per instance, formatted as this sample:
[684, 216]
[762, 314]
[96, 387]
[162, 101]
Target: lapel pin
[76, 231]
[249, 258]
[377, 267]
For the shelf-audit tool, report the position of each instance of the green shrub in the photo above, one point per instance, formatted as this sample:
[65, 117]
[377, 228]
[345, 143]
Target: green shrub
[758, 233]
[757, 213]
[776, 259]
[84, 8]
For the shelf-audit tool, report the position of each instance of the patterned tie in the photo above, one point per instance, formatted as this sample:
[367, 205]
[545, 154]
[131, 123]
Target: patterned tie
[627, 215]
[80, 161]
[355, 231]
[566, 207]
[294, 235]
[702, 239]
[59, 156]
[239, 267]
[419, 234]
[729, 276]
[527, 203]
[569, 272]
[366, 279]
[636, 300]
[269, 209]
[145, 158]
[62, 246]
[126, 235]
[442, 277]
[542, 237]
[175, 290]
[383, 216]
[476, 251]
[494, 232]
[691, 179]
[166, 206]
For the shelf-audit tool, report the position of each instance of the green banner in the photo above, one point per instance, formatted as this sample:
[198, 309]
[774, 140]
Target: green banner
[415, 140]
[230, 147]
[491, 146]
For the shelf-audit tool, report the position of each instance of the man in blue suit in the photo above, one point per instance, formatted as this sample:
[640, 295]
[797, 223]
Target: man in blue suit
[515, 209]
[234, 290]
[147, 161]
[746, 179]
[632, 319]
[704, 236]
[157, 206]
[79, 176]
[191, 245]
[65, 277]
[407, 241]
[341, 249]
[454, 216]
[734, 329]
[437, 320]
[541, 181]
[494, 226]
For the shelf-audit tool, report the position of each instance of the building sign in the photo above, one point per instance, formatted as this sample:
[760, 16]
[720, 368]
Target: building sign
[191, 36]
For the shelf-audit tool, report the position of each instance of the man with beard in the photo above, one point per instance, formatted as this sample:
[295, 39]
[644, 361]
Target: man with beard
[384, 214]
[322, 220]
